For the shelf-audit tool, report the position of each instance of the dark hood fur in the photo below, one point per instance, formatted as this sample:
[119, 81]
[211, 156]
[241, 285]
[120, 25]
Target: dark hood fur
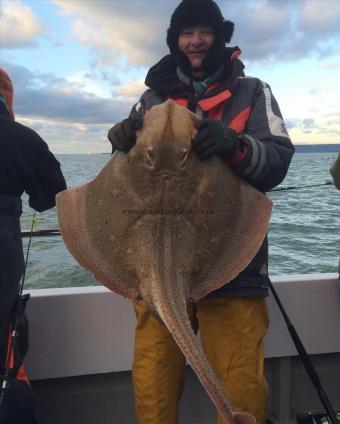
[199, 12]
[163, 78]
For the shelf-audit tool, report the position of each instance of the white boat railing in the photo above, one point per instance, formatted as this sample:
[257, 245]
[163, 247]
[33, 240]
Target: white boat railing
[90, 330]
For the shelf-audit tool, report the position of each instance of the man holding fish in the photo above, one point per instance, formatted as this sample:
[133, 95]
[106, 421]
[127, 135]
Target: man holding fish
[241, 123]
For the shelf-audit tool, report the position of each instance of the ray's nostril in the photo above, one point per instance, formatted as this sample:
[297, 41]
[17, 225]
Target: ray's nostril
[149, 157]
[184, 157]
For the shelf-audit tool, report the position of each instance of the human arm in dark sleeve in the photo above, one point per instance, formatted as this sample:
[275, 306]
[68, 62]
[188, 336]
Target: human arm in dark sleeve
[122, 135]
[268, 148]
[40, 172]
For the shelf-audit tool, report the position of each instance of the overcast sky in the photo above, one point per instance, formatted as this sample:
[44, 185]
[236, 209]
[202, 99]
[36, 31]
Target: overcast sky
[79, 65]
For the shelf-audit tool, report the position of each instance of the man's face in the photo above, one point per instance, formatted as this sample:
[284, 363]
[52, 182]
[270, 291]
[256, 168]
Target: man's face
[195, 42]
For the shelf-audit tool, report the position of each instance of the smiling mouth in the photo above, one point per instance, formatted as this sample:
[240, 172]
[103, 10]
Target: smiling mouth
[197, 53]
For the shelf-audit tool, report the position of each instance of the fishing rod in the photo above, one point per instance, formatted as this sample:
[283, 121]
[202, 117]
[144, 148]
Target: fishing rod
[19, 309]
[56, 232]
[311, 371]
[40, 233]
[327, 183]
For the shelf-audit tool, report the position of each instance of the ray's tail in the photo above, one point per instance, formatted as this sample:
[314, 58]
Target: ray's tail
[166, 295]
[175, 317]
[174, 314]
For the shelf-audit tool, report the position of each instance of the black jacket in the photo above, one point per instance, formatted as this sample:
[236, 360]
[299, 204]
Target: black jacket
[26, 164]
[247, 105]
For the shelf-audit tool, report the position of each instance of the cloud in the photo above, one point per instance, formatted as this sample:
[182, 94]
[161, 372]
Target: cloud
[330, 123]
[133, 32]
[131, 91]
[19, 27]
[334, 117]
[306, 125]
[326, 130]
[261, 29]
[290, 123]
[126, 37]
[41, 95]
[122, 33]
[329, 65]
[320, 16]
[288, 30]
[70, 119]
[67, 118]
[67, 137]
[326, 124]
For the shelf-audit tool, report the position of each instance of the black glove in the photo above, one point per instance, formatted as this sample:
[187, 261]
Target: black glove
[214, 139]
[122, 136]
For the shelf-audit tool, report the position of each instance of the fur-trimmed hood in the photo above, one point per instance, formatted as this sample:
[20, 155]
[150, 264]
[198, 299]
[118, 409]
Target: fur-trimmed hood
[191, 13]
[198, 12]
[163, 78]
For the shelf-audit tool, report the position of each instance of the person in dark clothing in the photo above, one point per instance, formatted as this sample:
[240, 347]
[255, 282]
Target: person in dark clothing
[240, 122]
[335, 173]
[26, 165]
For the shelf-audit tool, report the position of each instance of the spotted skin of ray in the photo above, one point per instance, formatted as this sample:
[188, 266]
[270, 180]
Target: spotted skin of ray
[160, 224]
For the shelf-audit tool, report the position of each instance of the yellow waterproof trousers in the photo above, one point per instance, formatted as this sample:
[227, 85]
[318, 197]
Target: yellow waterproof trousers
[232, 331]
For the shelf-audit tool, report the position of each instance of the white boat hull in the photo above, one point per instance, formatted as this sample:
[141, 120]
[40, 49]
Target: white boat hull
[89, 330]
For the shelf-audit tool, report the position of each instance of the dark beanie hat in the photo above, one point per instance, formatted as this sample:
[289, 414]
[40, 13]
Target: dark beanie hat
[198, 12]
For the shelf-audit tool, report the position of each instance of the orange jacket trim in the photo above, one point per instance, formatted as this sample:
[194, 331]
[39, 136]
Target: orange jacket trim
[239, 122]
[21, 374]
[181, 101]
[210, 102]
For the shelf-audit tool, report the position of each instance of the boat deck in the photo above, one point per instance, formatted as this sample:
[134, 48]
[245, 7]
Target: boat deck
[108, 398]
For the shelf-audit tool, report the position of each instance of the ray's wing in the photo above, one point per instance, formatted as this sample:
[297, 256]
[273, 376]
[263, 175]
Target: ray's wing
[231, 221]
[94, 219]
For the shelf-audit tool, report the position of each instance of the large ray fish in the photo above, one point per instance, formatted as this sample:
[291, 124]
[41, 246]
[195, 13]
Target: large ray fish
[161, 224]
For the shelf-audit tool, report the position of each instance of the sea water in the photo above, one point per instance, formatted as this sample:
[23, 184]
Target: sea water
[304, 230]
